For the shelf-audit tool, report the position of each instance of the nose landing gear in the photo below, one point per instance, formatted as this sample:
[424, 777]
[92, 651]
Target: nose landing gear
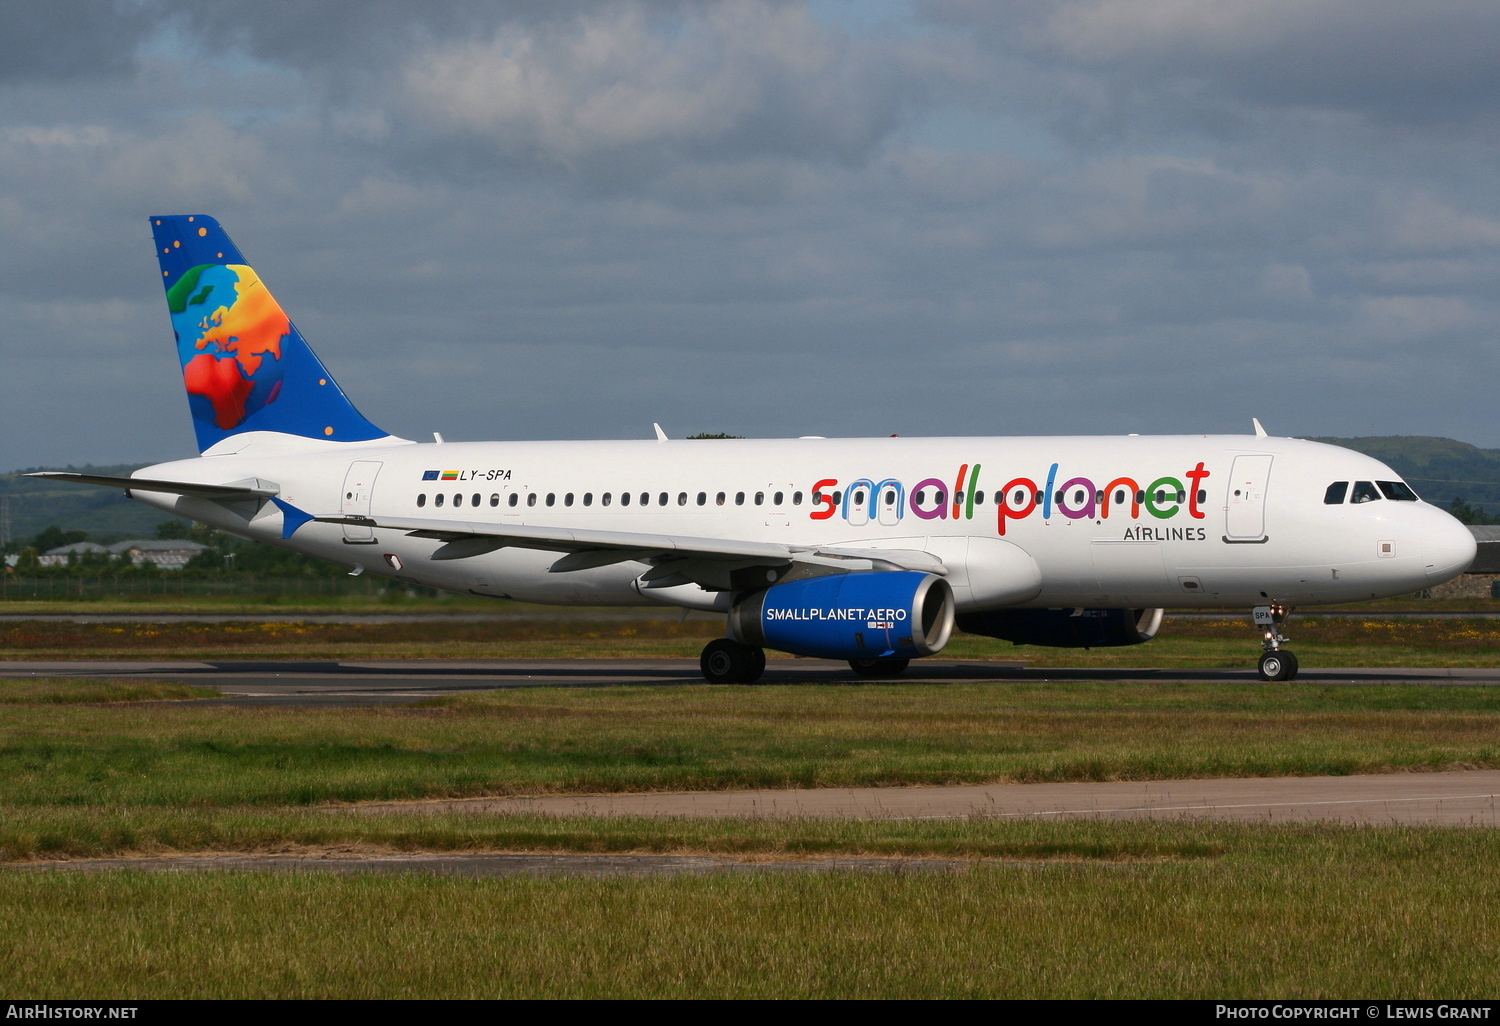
[1276, 663]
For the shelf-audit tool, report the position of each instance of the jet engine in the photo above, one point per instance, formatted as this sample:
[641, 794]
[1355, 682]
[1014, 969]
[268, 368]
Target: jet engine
[894, 614]
[1065, 628]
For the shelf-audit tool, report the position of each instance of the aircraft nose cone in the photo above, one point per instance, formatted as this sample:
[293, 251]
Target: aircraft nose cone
[1448, 548]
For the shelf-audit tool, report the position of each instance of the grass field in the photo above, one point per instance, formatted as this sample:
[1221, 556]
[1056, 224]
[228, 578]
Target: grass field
[1227, 641]
[1215, 912]
[532, 741]
[1072, 909]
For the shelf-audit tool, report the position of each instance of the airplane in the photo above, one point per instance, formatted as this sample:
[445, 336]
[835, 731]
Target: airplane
[870, 550]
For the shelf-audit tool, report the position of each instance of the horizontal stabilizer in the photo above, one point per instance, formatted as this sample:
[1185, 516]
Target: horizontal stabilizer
[239, 490]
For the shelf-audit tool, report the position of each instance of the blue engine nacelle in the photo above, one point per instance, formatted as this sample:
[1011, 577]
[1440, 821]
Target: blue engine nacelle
[896, 614]
[1065, 628]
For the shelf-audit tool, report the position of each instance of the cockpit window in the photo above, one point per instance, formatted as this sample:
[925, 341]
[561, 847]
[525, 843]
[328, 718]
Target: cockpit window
[1397, 491]
[1335, 493]
[1364, 491]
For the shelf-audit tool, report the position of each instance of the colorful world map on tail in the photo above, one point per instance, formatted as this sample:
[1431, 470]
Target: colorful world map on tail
[230, 332]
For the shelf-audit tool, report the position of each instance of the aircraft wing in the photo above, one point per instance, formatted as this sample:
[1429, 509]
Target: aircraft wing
[239, 490]
[714, 563]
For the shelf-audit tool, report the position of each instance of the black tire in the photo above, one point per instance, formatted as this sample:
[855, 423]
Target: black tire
[725, 661]
[878, 669]
[757, 666]
[1291, 664]
[1276, 666]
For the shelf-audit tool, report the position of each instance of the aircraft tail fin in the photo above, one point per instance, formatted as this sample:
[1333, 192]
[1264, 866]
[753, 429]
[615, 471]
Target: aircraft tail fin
[245, 365]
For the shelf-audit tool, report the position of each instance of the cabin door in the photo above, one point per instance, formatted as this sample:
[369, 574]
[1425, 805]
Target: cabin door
[359, 488]
[1245, 516]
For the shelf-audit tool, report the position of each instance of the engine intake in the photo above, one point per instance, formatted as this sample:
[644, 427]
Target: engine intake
[1065, 628]
[895, 614]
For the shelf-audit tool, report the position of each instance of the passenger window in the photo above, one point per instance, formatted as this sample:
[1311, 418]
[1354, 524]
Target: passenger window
[1364, 491]
[1140, 496]
[739, 498]
[1335, 494]
[1078, 496]
[682, 498]
[588, 498]
[921, 496]
[779, 497]
[437, 500]
[796, 498]
[702, 498]
[978, 498]
[1038, 499]
[494, 499]
[568, 499]
[604, 499]
[513, 499]
[458, 500]
[645, 498]
[1202, 496]
[475, 500]
[624, 498]
[421, 500]
[890, 497]
[1182, 496]
[1119, 496]
[939, 496]
[1397, 491]
[760, 498]
[661, 500]
[859, 497]
[719, 499]
[551, 498]
[531, 499]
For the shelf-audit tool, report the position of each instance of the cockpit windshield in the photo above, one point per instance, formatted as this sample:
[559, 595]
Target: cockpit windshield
[1369, 491]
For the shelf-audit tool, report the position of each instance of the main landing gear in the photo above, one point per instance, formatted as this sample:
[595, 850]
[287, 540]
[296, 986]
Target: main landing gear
[1276, 663]
[726, 661]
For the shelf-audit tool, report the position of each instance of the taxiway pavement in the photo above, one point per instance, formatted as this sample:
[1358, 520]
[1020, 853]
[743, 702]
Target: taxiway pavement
[302, 682]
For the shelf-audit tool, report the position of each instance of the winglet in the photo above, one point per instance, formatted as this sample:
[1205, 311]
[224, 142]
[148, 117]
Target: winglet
[1260, 432]
[291, 517]
[661, 436]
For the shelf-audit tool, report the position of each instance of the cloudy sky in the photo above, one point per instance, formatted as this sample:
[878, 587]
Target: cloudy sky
[543, 219]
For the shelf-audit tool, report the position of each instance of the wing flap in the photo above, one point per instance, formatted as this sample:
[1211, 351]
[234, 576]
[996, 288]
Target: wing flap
[569, 540]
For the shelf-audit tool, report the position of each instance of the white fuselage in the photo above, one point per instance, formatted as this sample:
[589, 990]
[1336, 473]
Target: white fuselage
[1226, 521]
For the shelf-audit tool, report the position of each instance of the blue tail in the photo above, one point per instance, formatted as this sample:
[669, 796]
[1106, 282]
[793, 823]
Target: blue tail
[246, 367]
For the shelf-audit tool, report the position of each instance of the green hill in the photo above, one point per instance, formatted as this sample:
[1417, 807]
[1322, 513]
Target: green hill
[104, 513]
[1440, 469]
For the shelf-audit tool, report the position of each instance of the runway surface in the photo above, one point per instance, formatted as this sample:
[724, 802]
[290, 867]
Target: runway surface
[300, 682]
[1429, 799]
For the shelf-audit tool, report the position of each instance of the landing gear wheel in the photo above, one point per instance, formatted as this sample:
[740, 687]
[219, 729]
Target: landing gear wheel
[725, 661]
[1278, 665]
[879, 668]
